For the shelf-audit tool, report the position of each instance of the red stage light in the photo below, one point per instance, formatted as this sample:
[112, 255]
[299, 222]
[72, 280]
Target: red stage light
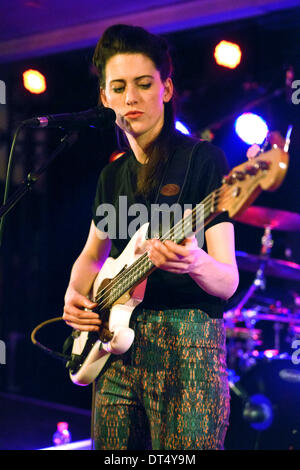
[34, 81]
[115, 155]
[228, 54]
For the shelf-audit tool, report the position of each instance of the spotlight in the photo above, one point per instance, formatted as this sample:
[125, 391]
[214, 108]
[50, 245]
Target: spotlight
[182, 128]
[115, 155]
[251, 128]
[34, 81]
[228, 54]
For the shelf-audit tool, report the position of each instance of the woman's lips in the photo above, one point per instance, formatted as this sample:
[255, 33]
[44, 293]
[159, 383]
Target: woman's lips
[133, 114]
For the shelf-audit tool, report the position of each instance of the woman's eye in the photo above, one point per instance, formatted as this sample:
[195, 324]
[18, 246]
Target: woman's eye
[118, 90]
[144, 86]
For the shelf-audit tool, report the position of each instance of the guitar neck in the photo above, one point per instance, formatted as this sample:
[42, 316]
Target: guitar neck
[191, 223]
[238, 190]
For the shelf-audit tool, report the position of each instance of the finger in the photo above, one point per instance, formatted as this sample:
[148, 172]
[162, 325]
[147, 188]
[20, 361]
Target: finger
[164, 250]
[156, 258]
[82, 301]
[76, 326]
[177, 249]
[159, 258]
[175, 267]
[190, 242]
[70, 309]
[81, 321]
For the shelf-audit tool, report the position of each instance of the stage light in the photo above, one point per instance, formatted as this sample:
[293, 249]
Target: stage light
[182, 128]
[228, 54]
[34, 81]
[115, 155]
[251, 128]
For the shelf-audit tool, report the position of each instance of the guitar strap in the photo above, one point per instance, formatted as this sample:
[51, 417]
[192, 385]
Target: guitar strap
[173, 182]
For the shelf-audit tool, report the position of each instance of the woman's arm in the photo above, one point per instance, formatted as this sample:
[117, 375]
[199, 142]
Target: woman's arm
[215, 271]
[83, 274]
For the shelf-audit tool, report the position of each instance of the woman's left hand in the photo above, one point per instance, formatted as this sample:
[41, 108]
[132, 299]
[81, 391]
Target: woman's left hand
[181, 259]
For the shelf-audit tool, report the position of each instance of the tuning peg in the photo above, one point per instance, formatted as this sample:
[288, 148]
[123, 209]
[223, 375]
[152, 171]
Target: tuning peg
[227, 180]
[252, 169]
[239, 175]
[263, 164]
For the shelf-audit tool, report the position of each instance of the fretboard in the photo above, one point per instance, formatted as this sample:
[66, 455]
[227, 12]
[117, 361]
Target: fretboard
[131, 276]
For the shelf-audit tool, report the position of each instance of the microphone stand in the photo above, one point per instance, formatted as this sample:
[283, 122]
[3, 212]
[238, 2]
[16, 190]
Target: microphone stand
[67, 141]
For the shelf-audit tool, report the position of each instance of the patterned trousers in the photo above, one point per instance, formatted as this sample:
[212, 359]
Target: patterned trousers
[170, 390]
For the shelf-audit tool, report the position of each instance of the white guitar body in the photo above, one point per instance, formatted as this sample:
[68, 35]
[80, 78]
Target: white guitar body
[119, 316]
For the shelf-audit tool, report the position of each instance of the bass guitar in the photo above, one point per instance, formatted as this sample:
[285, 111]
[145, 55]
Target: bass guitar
[120, 285]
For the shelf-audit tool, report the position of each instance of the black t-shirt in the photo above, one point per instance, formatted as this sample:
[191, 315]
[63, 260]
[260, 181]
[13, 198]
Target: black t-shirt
[165, 290]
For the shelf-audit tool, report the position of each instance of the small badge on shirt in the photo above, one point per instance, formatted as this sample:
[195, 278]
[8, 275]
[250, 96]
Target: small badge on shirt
[170, 189]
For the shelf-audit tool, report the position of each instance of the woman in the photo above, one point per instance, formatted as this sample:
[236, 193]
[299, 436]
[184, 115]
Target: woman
[170, 390]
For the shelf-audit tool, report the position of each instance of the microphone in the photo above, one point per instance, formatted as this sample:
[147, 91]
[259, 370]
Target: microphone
[94, 117]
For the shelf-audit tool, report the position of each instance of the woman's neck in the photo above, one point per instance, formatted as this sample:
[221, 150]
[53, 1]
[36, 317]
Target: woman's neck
[140, 143]
[138, 149]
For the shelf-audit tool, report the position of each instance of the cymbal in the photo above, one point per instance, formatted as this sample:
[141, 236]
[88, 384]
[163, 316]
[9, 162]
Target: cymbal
[257, 315]
[243, 333]
[272, 267]
[232, 317]
[265, 217]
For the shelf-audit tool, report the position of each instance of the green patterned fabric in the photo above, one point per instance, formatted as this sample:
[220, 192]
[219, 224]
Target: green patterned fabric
[170, 390]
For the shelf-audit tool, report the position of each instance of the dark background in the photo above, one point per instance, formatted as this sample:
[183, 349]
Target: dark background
[46, 231]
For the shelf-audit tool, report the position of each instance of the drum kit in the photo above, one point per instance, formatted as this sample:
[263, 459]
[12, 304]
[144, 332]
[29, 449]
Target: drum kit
[263, 329]
[245, 341]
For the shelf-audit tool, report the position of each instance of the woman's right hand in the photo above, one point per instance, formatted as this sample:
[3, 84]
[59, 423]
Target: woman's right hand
[75, 314]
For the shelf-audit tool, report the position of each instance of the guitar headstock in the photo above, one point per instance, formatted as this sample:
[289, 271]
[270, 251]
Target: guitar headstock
[246, 181]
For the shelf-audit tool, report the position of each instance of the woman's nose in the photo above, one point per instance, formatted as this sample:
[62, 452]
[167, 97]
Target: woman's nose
[131, 96]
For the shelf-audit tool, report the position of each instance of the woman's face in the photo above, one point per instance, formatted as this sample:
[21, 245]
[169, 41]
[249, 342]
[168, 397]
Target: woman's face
[135, 91]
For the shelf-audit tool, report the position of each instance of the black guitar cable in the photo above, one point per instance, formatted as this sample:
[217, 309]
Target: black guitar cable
[64, 357]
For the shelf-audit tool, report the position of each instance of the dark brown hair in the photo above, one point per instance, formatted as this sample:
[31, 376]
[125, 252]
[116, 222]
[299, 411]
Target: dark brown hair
[124, 39]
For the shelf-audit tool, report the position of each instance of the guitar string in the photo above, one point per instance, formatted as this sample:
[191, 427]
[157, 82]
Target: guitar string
[140, 260]
[175, 231]
[166, 236]
[215, 196]
[115, 284]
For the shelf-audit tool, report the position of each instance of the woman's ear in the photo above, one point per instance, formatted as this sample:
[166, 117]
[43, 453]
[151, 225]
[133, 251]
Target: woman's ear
[169, 90]
[103, 97]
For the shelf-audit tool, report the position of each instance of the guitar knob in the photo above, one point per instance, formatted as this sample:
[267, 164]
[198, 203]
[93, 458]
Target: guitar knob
[239, 175]
[252, 169]
[228, 180]
[263, 165]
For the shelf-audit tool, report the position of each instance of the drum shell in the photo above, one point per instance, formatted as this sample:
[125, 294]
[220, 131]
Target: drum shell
[279, 381]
